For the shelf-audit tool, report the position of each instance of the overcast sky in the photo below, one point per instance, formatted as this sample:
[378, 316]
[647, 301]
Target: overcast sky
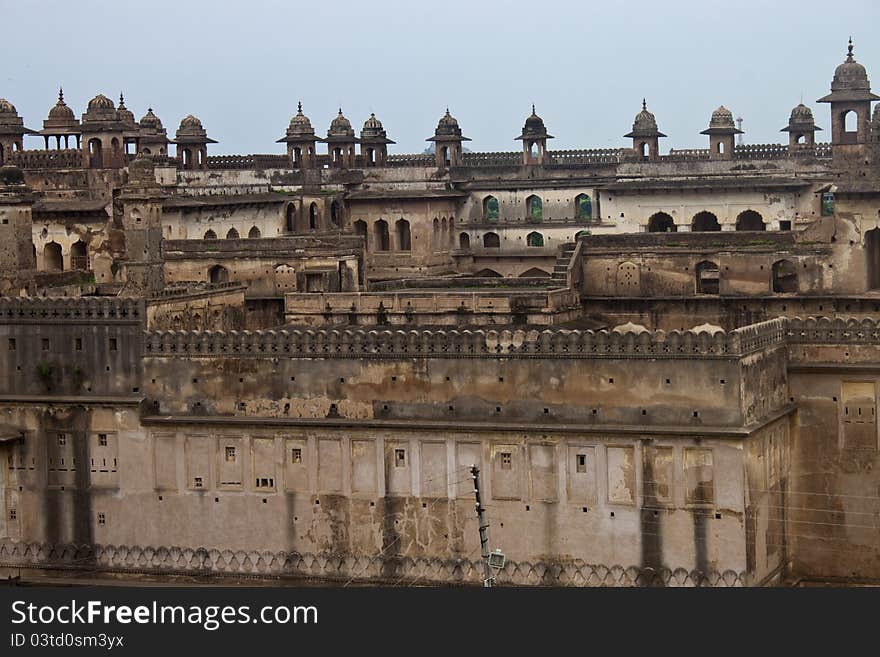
[242, 66]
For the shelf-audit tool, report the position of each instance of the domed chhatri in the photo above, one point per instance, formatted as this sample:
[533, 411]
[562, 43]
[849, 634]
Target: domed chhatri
[340, 127]
[721, 133]
[100, 103]
[192, 143]
[152, 136]
[7, 108]
[300, 139]
[374, 143]
[534, 138]
[125, 115]
[850, 95]
[61, 123]
[645, 134]
[151, 121]
[12, 129]
[801, 127]
[447, 141]
[300, 124]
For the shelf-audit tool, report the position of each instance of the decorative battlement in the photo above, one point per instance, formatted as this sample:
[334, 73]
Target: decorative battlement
[86, 310]
[825, 330]
[193, 288]
[376, 344]
[256, 161]
[69, 158]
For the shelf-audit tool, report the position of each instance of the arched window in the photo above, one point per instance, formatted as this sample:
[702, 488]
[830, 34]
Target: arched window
[186, 156]
[491, 241]
[535, 239]
[643, 149]
[872, 252]
[707, 277]
[381, 238]
[490, 208]
[487, 273]
[218, 274]
[582, 233]
[705, 221]
[146, 151]
[254, 233]
[360, 228]
[785, 277]
[114, 146]
[464, 241]
[661, 223]
[52, 259]
[444, 155]
[79, 255]
[210, 235]
[335, 213]
[401, 227]
[96, 154]
[444, 235]
[232, 234]
[535, 208]
[850, 121]
[290, 218]
[201, 157]
[750, 220]
[534, 272]
[720, 147]
[583, 206]
[436, 233]
[313, 216]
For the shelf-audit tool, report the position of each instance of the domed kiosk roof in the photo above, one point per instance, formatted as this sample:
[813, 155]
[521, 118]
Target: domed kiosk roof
[850, 81]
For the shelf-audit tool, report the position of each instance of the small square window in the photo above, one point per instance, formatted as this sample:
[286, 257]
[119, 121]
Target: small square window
[506, 460]
[399, 458]
[78, 344]
[112, 344]
[230, 454]
[581, 462]
[102, 519]
[44, 343]
[62, 438]
[102, 439]
[11, 344]
[12, 514]
[296, 455]
[197, 482]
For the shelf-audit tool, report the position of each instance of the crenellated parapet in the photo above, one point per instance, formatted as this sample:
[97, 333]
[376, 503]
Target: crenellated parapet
[371, 343]
[82, 310]
[69, 158]
[825, 330]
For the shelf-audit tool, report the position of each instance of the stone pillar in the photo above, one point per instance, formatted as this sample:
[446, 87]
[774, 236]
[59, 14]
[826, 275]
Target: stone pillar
[142, 199]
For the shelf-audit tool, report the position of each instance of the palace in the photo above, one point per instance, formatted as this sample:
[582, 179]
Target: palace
[284, 365]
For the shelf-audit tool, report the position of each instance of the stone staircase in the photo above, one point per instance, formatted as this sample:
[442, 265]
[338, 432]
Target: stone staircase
[563, 258]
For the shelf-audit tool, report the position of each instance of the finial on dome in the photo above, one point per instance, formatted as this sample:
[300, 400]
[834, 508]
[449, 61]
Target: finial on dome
[644, 104]
[121, 99]
[533, 109]
[447, 110]
[340, 111]
[849, 54]
[60, 95]
[299, 106]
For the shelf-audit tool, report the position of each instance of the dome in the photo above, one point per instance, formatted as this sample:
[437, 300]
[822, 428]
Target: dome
[60, 110]
[850, 75]
[373, 129]
[340, 126]
[801, 114]
[447, 126]
[151, 121]
[721, 118]
[534, 127]
[125, 115]
[6, 107]
[100, 102]
[300, 123]
[645, 125]
[191, 122]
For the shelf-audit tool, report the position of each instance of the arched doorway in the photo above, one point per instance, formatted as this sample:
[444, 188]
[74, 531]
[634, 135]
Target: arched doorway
[534, 239]
[491, 241]
[785, 277]
[661, 223]
[487, 273]
[313, 216]
[290, 218]
[707, 277]
[535, 208]
[232, 234]
[96, 154]
[79, 255]
[52, 258]
[750, 220]
[218, 274]
[534, 272]
[490, 208]
[401, 227]
[705, 222]
[210, 235]
[583, 206]
[872, 252]
[254, 233]
[360, 228]
[464, 241]
[381, 237]
[335, 213]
